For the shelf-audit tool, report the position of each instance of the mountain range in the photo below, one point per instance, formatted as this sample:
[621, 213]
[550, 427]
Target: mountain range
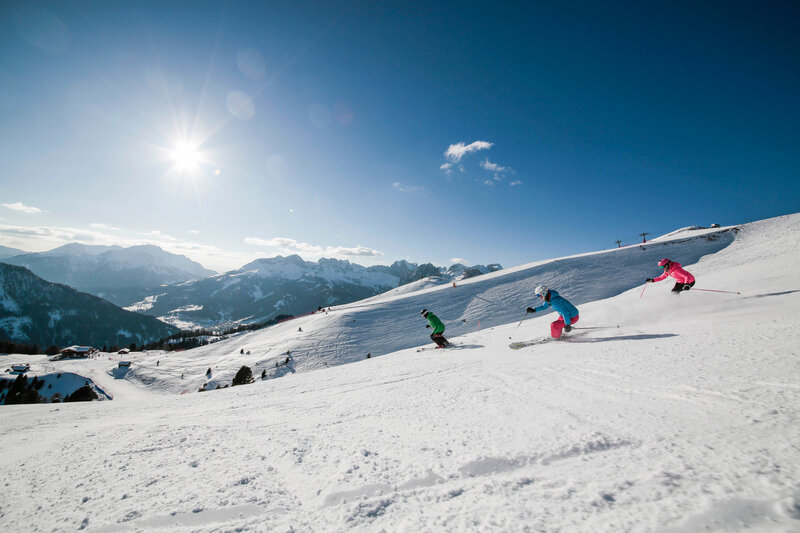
[120, 275]
[5, 252]
[267, 287]
[181, 292]
[35, 311]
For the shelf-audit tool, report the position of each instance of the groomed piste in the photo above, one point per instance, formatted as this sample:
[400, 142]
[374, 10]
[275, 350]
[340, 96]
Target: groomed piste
[667, 413]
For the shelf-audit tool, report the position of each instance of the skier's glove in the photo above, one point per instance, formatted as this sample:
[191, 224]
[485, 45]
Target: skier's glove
[530, 310]
[648, 280]
[567, 328]
[428, 326]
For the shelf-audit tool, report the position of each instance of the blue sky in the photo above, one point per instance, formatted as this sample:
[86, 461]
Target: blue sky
[374, 132]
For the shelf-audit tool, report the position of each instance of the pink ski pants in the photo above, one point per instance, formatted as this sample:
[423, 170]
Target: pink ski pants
[558, 325]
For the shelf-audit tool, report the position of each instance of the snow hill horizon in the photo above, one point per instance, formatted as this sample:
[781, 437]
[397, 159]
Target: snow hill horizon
[669, 413]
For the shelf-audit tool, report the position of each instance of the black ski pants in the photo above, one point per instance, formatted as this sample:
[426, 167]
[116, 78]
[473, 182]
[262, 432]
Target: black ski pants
[679, 287]
[439, 339]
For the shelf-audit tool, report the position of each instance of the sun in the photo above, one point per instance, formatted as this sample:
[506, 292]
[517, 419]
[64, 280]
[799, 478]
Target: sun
[186, 156]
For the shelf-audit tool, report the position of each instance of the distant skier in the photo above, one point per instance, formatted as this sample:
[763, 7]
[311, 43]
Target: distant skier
[568, 313]
[683, 280]
[438, 329]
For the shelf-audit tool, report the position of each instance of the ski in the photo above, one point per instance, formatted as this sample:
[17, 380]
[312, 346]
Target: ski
[523, 344]
[451, 345]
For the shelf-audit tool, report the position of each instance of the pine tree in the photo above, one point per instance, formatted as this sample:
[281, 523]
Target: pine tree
[17, 390]
[243, 377]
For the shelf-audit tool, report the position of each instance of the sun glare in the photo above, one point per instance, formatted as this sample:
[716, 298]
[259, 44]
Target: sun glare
[186, 156]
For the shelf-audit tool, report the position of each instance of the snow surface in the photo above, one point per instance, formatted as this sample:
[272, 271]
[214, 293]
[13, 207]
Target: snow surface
[680, 415]
[144, 305]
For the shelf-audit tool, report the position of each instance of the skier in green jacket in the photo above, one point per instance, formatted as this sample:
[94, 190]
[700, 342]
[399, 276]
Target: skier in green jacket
[438, 329]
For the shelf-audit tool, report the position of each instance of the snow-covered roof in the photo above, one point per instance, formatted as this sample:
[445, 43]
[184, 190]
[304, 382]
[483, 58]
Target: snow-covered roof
[78, 349]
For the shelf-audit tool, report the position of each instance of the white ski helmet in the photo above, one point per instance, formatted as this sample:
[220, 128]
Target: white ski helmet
[541, 291]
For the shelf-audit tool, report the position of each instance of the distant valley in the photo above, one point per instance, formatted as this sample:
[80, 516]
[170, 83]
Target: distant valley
[37, 312]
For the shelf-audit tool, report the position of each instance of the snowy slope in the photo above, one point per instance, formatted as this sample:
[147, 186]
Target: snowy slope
[683, 418]
[391, 322]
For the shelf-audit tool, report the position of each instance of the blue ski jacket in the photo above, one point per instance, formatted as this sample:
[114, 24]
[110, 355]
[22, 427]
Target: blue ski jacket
[560, 305]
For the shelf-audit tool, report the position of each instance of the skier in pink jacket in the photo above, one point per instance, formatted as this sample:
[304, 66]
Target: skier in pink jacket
[683, 280]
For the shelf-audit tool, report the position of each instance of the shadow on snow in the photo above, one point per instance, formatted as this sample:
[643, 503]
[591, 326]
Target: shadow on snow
[624, 338]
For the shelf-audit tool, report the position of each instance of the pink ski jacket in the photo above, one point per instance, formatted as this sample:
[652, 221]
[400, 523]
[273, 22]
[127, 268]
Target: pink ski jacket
[674, 269]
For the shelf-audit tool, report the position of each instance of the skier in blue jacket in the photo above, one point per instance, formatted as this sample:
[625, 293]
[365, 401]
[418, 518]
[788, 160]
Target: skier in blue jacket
[568, 314]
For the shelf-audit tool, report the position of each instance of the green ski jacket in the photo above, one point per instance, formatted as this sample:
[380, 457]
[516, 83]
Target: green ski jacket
[435, 323]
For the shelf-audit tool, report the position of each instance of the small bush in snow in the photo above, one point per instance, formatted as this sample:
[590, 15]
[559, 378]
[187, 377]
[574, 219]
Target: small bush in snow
[243, 377]
[84, 394]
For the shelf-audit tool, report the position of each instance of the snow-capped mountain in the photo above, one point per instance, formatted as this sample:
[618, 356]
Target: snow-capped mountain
[268, 287]
[265, 288]
[112, 272]
[35, 311]
[458, 271]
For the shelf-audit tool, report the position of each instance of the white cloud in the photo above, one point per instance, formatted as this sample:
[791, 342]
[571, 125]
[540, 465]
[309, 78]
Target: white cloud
[53, 233]
[310, 251]
[459, 260]
[101, 226]
[406, 188]
[19, 206]
[41, 238]
[194, 232]
[277, 242]
[358, 251]
[492, 167]
[455, 152]
[158, 234]
[515, 183]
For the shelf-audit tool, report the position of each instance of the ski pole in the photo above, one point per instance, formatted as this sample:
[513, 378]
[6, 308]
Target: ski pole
[711, 290]
[643, 288]
[523, 318]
